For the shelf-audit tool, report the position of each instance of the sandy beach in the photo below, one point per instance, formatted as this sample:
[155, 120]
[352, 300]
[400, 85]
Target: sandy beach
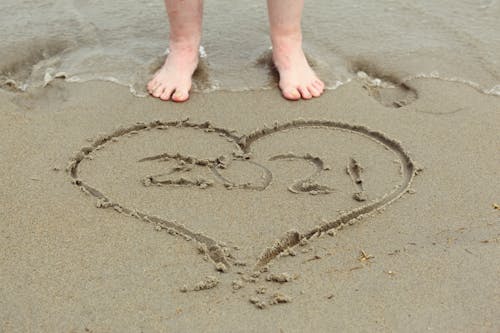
[374, 208]
[426, 261]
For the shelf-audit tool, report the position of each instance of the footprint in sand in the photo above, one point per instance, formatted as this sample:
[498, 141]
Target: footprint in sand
[385, 89]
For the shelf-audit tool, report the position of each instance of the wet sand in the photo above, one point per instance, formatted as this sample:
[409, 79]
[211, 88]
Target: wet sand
[85, 41]
[367, 209]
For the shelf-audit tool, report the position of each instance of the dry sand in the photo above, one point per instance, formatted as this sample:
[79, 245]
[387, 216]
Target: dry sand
[246, 213]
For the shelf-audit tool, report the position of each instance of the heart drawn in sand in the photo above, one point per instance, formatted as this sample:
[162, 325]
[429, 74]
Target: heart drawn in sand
[243, 146]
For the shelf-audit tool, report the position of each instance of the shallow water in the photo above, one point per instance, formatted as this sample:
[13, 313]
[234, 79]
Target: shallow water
[395, 40]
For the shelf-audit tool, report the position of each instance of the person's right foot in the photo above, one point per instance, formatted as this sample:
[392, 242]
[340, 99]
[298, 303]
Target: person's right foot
[173, 80]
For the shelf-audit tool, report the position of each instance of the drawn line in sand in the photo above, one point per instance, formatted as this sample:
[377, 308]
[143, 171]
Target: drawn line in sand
[307, 185]
[215, 250]
[354, 170]
[267, 178]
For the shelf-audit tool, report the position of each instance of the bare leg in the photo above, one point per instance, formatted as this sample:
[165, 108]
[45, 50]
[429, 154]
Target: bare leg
[173, 80]
[297, 79]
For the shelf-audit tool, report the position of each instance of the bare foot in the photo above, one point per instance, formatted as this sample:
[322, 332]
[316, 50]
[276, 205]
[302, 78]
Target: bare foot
[173, 80]
[297, 79]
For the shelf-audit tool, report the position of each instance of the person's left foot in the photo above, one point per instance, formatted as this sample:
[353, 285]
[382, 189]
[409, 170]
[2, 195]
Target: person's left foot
[297, 79]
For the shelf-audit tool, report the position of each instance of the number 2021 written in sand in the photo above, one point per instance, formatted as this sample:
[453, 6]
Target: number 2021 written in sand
[218, 166]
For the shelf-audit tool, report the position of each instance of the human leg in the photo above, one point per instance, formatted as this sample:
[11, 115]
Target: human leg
[297, 79]
[173, 81]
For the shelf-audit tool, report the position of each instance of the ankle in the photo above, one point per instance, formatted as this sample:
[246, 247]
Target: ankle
[286, 45]
[286, 51]
[184, 48]
[286, 39]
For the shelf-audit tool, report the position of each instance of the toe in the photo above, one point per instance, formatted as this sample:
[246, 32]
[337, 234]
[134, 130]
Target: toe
[319, 86]
[291, 93]
[158, 91]
[151, 85]
[313, 91]
[305, 93]
[180, 95]
[165, 96]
